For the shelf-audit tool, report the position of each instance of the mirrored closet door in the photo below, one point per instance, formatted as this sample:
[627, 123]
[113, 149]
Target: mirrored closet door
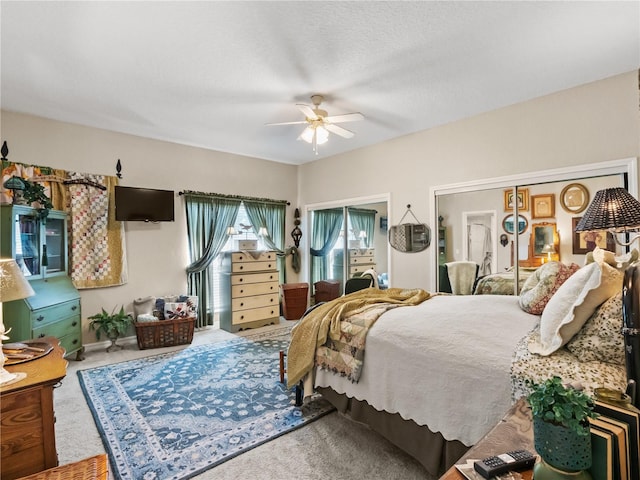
[347, 241]
[508, 239]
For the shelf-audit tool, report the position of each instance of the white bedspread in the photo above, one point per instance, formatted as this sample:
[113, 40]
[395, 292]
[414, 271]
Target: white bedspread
[444, 363]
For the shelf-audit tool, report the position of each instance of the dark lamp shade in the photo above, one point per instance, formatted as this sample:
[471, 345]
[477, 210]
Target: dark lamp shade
[612, 209]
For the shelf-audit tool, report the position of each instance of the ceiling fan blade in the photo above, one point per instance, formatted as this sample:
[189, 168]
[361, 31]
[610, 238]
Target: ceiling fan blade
[347, 117]
[343, 132]
[286, 123]
[307, 111]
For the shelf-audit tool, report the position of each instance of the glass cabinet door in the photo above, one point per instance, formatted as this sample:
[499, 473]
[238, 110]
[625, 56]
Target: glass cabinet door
[27, 243]
[54, 249]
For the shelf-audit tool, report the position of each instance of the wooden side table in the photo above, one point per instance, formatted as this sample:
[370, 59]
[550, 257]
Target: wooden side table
[27, 432]
[514, 432]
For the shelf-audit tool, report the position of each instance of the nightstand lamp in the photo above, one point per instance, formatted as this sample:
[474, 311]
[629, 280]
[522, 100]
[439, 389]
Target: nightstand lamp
[549, 249]
[13, 286]
[615, 210]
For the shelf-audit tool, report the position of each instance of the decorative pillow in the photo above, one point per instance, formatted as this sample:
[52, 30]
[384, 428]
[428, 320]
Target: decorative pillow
[192, 304]
[573, 304]
[143, 306]
[601, 337]
[542, 284]
[173, 310]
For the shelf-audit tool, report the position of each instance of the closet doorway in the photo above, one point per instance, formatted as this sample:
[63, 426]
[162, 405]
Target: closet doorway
[480, 232]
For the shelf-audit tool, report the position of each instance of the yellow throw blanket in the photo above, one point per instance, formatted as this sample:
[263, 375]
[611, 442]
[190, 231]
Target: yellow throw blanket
[312, 331]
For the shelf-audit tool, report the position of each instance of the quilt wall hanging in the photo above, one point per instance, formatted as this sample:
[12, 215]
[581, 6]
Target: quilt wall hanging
[97, 256]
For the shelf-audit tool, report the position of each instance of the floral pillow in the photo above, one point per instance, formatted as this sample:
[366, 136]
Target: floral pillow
[573, 304]
[542, 284]
[601, 337]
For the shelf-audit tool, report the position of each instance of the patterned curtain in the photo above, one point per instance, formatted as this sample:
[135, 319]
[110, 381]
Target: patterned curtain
[97, 256]
[208, 217]
[363, 220]
[325, 232]
[272, 217]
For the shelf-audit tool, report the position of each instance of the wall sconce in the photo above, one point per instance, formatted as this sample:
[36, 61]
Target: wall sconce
[296, 233]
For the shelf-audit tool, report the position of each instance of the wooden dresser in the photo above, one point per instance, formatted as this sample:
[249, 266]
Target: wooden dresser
[27, 433]
[249, 290]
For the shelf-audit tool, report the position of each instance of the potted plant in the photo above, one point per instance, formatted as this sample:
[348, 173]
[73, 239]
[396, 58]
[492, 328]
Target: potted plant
[111, 324]
[34, 192]
[561, 431]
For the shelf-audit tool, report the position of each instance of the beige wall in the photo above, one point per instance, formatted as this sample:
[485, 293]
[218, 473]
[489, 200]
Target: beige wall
[591, 123]
[588, 124]
[157, 254]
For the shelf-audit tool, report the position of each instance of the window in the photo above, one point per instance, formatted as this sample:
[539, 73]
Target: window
[216, 265]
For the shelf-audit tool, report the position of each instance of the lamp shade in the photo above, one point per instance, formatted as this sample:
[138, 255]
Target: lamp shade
[262, 232]
[231, 231]
[548, 248]
[15, 183]
[612, 209]
[13, 285]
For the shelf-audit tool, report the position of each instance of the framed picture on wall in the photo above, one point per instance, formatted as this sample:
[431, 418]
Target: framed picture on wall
[523, 200]
[574, 198]
[543, 206]
[585, 242]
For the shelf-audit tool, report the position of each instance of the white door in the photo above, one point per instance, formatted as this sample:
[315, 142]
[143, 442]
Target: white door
[479, 245]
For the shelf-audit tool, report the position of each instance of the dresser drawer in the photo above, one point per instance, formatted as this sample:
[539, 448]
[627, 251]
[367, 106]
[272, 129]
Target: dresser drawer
[54, 313]
[255, 314]
[360, 260]
[364, 252]
[244, 257]
[252, 266]
[254, 278]
[360, 268]
[59, 329]
[71, 342]
[255, 301]
[254, 289]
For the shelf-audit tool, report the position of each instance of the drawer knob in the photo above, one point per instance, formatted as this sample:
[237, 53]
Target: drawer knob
[242, 304]
[241, 279]
[75, 340]
[41, 335]
[74, 308]
[241, 267]
[241, 291]
[40, 318]
[271, 300]
[73, 324]
[241, 317]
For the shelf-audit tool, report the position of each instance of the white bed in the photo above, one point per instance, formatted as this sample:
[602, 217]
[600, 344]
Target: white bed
[444, 363]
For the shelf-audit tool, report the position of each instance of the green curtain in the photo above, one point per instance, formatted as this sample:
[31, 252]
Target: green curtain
[325, 232]
[272, 217]
[363, 220]
[207, 220]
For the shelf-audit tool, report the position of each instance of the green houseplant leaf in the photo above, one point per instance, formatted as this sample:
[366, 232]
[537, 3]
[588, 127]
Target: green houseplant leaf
[556, 403]
[111, 324]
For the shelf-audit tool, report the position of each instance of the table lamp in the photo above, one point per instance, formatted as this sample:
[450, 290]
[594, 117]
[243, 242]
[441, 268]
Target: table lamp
[615, 210]
[13, 286]
[549, 249]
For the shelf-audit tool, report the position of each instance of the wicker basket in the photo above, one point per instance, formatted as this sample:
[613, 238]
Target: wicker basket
[164, 333]
[93, 468]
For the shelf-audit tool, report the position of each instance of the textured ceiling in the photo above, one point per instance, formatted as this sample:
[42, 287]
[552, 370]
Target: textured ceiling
[212, 74]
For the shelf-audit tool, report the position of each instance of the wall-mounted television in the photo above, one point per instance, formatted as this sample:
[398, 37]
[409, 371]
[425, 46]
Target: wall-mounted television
[144, 204]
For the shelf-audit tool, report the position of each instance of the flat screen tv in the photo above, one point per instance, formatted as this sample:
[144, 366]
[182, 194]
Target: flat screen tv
[144, 204]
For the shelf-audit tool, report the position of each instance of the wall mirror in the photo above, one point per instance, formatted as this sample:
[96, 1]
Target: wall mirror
[508, 223]
[410, 237]
[544, 235]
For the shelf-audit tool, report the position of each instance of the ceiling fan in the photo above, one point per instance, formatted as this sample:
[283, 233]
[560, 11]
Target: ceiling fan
[319, 123]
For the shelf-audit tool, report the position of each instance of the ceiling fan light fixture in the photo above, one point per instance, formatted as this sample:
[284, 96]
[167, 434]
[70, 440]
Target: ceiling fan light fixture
[307, 134]
[322, 135]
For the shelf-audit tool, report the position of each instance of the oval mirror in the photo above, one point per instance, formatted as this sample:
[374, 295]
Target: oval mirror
[507, 224]
[410, 237]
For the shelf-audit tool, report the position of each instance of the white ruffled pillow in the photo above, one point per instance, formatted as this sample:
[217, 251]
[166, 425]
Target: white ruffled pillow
[573, 303]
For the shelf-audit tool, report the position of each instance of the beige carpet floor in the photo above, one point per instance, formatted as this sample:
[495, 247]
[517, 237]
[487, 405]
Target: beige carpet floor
[331, 448]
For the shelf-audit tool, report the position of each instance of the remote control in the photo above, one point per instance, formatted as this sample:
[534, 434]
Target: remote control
[515, 461]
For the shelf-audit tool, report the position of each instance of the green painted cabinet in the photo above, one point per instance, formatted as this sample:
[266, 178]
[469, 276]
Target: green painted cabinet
[39, 246]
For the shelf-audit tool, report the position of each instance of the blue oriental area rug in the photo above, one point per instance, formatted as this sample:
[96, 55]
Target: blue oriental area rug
[175, 415]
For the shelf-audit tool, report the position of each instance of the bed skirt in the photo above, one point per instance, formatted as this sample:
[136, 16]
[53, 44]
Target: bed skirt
[430, 449]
